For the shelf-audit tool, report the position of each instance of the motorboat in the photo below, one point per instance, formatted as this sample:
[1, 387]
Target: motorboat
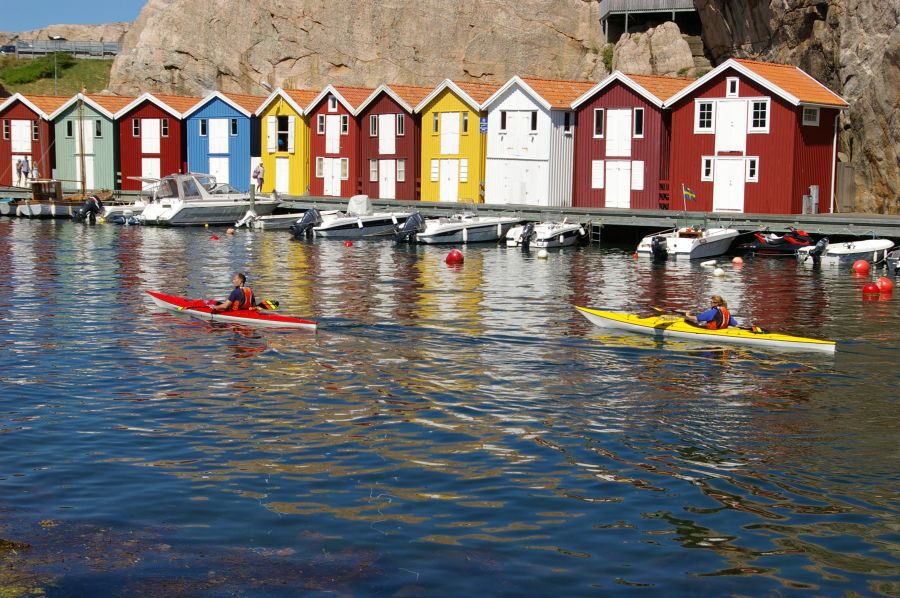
[462, 227]
[545, 235]
[844, 254]
[768, 243]
[357, 221]
[127, 212]
[693, 242]
[893, 262]
[197, 199]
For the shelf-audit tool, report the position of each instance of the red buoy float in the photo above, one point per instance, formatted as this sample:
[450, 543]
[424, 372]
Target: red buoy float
[348, 243]
[870, 292]
[454, 257]
[885, 284]
[861, 267]
[214, 238]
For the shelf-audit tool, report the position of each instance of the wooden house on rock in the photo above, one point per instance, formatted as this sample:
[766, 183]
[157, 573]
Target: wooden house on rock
[27, 132]
[285, 141]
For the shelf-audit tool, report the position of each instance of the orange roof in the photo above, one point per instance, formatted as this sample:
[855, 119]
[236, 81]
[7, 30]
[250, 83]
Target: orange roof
[662, 87]
[302, 97]
[111, 103]
[247, 102]
[558, 92]
[179, 104]
[47, 104]
[478, 91]
[354, 95]
[794, 81]
[411, 94]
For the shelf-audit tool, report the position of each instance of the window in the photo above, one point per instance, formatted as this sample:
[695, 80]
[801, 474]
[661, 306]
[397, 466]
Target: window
[98, 128]
[345, 169]
[136, 127]
[332, 104]
[373, 171]
[165, 127]
[320, 124]
[401, 171]
[731, 87]
[465, 123]
[464, 170]
[35, 130]
[811, 117]
[752, 170]
[401, 125]
[234, 127]
[706, 169]
[503, 121]
[704, 117]
[638, 122]
[6, 128]
[534, 121]
[320, 168]
[202, 127]
[70, 129]
[345, 124]
[598, 122]
[282, 136]
[373, 125]
[435, 120]
[759, 116]
[567, 122]
[434, 171]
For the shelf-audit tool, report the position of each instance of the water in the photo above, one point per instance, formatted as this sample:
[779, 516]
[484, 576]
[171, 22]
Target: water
[446, 432]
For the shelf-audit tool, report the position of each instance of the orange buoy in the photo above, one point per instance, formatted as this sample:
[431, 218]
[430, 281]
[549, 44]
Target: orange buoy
[861, 267]
[738, 260]
[885, 284]
[870, 292]
[348, 243]
[454, 257]
[214, 238]
[634, 255]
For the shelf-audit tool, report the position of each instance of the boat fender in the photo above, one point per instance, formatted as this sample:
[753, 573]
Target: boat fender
[708, 263]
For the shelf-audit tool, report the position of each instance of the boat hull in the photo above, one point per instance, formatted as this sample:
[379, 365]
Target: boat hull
[350, 227]
[199, 308]
[467, 232]
[676, 327]
[202, 212]
[695, 245]
[547, 236]
[844, 254]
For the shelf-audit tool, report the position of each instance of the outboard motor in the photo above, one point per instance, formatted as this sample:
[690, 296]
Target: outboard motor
[406, 233]
[89, 210]
[658, 248]
[304, 226]
[527, 235]
[817, 250]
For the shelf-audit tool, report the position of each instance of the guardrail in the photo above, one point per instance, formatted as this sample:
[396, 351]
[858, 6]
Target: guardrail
[608, 7]
[33, 48]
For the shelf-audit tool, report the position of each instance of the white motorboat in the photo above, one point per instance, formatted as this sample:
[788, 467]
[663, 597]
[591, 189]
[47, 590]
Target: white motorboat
[545, 235]
[464, 227]
[871, 250]
[197, 199]
[359, 220]
[691, 242]
[893, 262]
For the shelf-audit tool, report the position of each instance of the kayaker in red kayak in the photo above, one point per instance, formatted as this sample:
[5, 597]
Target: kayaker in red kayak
[241, 296]
[714, 318]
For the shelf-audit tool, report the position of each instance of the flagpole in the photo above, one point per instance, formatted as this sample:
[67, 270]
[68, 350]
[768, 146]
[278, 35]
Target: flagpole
[684, 198]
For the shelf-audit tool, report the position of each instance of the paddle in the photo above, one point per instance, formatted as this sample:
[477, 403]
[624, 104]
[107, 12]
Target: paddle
[266, 304]
[682, 312]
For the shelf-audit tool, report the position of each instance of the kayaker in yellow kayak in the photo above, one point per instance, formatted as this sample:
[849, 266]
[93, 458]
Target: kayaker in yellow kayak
[241, 296]
[716, 317]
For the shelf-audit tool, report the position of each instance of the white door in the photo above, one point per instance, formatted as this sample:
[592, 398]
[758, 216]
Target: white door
[331, 170]
[387, 138]
[88, 171]
[282, 175]
[618, 184]
[150, 136]
[450, 133]
[218, 168]
[150, 169]
[21, 136]
[728, 185]
[218, 136]
[449, 180]
[618, 133]
[332, 133]
[86, 132]
[731, 126]
[387, 179]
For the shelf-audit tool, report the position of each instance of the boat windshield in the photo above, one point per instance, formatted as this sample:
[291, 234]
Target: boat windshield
[190, 187]
[167, 189]
[222, 189]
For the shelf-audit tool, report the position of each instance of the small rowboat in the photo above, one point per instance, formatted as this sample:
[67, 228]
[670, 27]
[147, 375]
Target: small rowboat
[675, 326]
[200, 308]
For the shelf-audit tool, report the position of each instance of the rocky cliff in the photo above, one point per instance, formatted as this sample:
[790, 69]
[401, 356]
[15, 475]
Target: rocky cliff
[108, 32]
[853, 46]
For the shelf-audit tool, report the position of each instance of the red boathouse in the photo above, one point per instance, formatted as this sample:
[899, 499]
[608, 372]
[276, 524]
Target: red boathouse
[27, 132]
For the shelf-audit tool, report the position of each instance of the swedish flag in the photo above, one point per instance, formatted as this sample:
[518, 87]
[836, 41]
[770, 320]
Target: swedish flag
[687, 193]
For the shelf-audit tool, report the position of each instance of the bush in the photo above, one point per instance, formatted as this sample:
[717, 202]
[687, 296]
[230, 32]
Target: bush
[32, 70]
[608, 52]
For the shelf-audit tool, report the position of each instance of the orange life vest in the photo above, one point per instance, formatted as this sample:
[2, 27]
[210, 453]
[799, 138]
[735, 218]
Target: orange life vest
[247, 302]
[721, 320]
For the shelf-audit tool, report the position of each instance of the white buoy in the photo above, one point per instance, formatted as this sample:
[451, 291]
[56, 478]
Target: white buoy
[708, 263]
[542, 254]
[718, 272]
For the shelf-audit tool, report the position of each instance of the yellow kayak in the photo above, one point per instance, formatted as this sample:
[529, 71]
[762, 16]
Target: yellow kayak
[675, 326]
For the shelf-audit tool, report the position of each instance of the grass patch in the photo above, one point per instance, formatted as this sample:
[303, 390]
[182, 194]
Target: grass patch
[608, 55]
[36, 76]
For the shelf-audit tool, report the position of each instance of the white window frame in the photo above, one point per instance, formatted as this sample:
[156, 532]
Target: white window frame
[164, 127]
[503, 121]
[320, 167]
[373, 171]
[711, 129]
[6, 129]
[135, 127]
[233, 128]
[732, 87]
[707, 163]
[70, 129]
[752, 172]
[634, 121]
[332, 103]
[202, 127]
[320, 124]
[35, 130]
[435, 123]
[401, 125]
[534, 123]
[751, 108]
[98, 128]
[465, 124]
[345, 169]
[373, 125]
[345, 124]
[401, 170]
[601, 112]
[568, 120]
[811, 122]
[435, 170]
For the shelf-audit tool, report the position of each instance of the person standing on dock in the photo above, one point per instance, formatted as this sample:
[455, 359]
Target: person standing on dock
[260, 176]
[26, 171]
[19, 173]
[241, 296]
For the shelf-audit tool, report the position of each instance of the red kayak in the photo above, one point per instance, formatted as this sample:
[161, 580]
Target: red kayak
[200, 308]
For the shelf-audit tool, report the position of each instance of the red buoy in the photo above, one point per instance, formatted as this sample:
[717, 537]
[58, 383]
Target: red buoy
[214, 238]
[454, 257]
[885, 284]
[861, 267]
[870, 292]
[348, 243]
[635, 255]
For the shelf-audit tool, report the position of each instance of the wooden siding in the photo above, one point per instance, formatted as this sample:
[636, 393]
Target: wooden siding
[298, 160]
[408, 147]
[239, 145]
[815, 159]
[105, 149]
[171, 149]
[650, 149]
[41, 149]
[348, 148]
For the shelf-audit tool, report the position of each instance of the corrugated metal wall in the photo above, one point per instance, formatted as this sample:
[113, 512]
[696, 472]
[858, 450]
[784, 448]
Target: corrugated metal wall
[238, 145]
[407, 148]
[815, 156]
[105, 150]
[41, 149]
[170, 155]
[349, 148]
[562, 158]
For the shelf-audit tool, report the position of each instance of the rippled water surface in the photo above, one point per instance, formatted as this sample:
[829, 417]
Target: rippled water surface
[448, 431]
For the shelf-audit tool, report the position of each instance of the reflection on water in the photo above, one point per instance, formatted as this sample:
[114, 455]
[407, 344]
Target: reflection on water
[446, 430]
